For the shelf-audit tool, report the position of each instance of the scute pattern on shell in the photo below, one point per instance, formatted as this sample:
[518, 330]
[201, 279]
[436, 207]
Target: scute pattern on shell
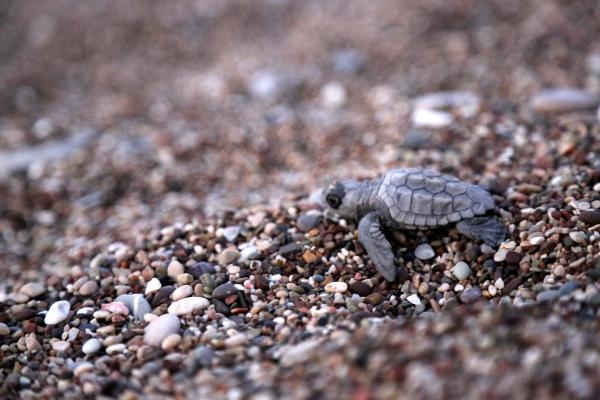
[426, 198]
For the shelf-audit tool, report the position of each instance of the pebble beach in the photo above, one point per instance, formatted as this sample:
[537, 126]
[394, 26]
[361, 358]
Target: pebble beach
[162, 233]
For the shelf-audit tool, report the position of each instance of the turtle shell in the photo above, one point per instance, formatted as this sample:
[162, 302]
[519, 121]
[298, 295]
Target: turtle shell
[424, 198]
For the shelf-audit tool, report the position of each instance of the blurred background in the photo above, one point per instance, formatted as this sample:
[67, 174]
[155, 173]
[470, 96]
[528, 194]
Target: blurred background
[120, 116]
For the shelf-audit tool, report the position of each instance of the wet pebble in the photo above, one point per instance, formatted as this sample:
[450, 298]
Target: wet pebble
[32, 289]
[424, 251]
[57, 313]
[188, 305]
[160, 328]
[228, 256]
[557, 100]
[461, 270]
[470, 295]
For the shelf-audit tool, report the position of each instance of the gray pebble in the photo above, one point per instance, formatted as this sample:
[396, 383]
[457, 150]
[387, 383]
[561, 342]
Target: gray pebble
[306, 222]
[289, 249]
[231, 233]
[204, 356]
[347, 61]
[557, 100]
[88, 288]
[32, 289]
[136, 304]
[160, 328]
[461, 270]
[249, 252]
[424, 252]
[228, 256]
[223, 291]
[470, 295]
[548, 295]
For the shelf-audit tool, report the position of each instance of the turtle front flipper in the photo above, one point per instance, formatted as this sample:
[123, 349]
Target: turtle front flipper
[488, 229]
[377, 246]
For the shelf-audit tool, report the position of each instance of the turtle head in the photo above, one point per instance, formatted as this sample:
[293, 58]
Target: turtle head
[343, 197]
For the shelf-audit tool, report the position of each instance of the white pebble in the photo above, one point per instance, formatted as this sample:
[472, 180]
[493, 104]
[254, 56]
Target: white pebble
[499, 283]
[57, 313]
[578, 237]
[537, 240]
[61, 346]
[500, 255]
[160, 328]
[171, 341]
[424, 252]
[182, 292]
[336, 287]
[492, 290]
[188, 305]
[175, 268]
[115, 349]
[426, 118]
[414, 299]
[153, 286]
[333, 95]
[461, 270]
[91, 346]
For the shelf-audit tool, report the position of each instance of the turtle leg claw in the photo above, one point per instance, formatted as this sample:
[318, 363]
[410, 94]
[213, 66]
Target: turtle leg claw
[491, 231]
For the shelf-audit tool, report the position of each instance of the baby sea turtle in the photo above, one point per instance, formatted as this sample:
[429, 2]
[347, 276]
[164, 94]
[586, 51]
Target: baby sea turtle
[413, 198]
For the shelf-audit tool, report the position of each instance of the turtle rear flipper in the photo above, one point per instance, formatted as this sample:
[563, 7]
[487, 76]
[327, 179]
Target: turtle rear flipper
[491, 231]
[377, 246]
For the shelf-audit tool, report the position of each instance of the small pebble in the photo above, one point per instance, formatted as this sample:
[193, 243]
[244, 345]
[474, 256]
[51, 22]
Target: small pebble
[360, 288]
[228, 256]
[512, 257]
[175, 268]
[427, 118]
[32, 290]
[537, 240]
[578, 237]
[136, 304]
[182, 292]
[152, 286]
[461, 270]
[116, 348]
[188, 305]
[548, 295]
[57, 313]
[160, 328]
[91, 346]
[83, 368]
[88, 288]
[61, 346]
[306, 222]
[171, 342]
[500, 255]
[414, 299]
[424, 251]
[558, 100]
[590, 217]
[336, 287]
[223, 291]
[470, 295]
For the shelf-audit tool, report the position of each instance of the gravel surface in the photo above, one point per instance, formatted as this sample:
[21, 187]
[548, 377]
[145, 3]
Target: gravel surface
[160, 230]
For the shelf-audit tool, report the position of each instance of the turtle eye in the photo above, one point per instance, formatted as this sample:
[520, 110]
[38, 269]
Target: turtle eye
[333, 200]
